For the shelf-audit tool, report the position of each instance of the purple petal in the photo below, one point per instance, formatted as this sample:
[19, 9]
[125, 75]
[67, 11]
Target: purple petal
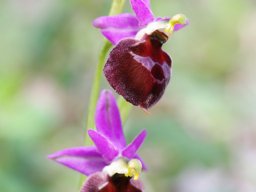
[125, 20]
[116, 35]
[105, 147]
[142, 10]
[132, 148]
[118, 27]
[108, 121]
[85, 160]
[147, 2]
[177, 27]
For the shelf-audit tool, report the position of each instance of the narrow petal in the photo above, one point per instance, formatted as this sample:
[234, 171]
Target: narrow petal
[147, 2]
[108, 121]
[85, 160]
[121, 21]
[105, 147]
[177, 27]
[116, 35]
[142, 10]
[132, 148]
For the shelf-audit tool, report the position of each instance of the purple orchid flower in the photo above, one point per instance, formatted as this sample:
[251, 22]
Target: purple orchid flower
[110, 155]
[126, 25]
[137, 67]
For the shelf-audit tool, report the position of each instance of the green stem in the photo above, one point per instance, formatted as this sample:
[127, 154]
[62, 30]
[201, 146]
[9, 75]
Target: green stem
[96, 87]
[116, 8]
[94, 97]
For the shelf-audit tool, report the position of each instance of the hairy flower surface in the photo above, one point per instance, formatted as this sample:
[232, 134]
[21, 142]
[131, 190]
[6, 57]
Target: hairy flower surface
[110, 155]
[101, 182]
[137, 67]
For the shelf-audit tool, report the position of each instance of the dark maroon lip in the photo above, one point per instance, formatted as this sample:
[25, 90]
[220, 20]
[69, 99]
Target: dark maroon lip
[139, 70]
[119, 183]
[101, 182]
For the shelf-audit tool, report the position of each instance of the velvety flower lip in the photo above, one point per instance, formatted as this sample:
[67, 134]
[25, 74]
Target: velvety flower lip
[108, 138]
[118, 27]
[101, 182]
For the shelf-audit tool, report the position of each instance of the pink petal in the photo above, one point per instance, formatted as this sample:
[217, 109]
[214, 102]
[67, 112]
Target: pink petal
[147, 2]
[86, 160]
[132, 148]
[142, 10]
[177, 27]
[108, 121]
[118, 27]
[121, 21]
[116, 35]
[105, 147]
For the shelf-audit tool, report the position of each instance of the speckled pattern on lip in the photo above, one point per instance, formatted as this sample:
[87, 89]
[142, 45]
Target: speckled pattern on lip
[139, 71]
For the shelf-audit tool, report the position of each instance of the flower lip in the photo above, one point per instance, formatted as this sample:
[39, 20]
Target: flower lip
[101, 182]
[139, 70]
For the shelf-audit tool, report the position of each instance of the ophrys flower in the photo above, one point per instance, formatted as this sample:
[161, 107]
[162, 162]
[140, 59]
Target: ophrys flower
[110, 157]
[137, 67]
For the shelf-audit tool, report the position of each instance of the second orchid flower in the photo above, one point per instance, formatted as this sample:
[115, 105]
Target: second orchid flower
[111, 164]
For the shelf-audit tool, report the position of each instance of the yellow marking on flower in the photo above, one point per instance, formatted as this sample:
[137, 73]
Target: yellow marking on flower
[134, 169]
[176, 19]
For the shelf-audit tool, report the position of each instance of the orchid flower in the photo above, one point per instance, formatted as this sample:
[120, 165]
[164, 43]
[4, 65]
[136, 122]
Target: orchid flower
[126, 25]
[137, 67]
[111, 157]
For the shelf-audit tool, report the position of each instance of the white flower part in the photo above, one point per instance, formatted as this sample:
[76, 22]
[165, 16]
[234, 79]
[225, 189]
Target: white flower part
[130, 168]
[153, 26]
[119, 166]
[164, 26]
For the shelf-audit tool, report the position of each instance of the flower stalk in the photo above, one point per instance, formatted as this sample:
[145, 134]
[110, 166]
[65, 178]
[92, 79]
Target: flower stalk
[96, 87]
[116, 8]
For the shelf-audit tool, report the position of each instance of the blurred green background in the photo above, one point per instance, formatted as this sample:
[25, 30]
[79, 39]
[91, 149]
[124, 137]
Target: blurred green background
[201, 135]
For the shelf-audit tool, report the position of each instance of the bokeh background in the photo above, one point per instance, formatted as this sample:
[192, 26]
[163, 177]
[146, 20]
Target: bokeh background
[201, 135]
